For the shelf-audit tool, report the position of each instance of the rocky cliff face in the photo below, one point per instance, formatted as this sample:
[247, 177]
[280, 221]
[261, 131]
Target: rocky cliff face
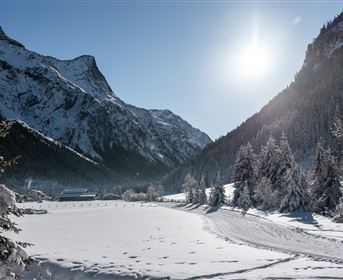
[71, 102]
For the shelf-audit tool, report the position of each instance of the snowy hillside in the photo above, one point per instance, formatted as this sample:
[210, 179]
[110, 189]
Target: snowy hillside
[120, 240]
[54, 167]
[71, 102]
[305, 111]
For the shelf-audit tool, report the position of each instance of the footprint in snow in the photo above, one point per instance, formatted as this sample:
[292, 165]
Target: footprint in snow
[318, 267]
[147, 249]
[224, 261]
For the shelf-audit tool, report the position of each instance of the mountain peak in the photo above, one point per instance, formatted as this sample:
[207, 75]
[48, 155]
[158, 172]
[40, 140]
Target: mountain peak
[5, 38]
[86, 59]
[329, 41]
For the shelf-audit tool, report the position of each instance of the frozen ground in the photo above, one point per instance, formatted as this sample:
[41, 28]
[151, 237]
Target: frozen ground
[118, 240]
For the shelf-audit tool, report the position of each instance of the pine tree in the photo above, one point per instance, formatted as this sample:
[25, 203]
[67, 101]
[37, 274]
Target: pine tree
[297, 198]
[244, 200]
[217, 196]
[189, 187]
[245, 173]
[202, 197]
[196, 194]
[338, 218]
[337, 132]
[326, 188]
[285, 167]
[13, 258]
[268, 165]
[264, 195]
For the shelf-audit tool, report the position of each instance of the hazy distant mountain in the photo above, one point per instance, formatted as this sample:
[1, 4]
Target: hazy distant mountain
[304, 111]
[71, 102]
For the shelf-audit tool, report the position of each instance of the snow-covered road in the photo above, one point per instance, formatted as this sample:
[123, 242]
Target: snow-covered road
[260, 232]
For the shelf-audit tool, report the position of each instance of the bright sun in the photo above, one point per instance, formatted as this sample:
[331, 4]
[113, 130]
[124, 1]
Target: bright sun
[253, 61]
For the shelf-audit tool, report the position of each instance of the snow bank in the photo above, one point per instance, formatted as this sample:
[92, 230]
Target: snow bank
[180, 197]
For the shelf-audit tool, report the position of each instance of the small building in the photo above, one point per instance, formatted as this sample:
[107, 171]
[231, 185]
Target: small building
[76, 195]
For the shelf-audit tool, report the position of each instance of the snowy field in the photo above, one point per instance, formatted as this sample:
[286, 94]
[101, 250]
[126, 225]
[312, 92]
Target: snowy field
[120, 240]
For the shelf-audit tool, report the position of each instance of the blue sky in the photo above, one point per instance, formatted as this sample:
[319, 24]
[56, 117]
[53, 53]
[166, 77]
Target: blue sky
[182, 56]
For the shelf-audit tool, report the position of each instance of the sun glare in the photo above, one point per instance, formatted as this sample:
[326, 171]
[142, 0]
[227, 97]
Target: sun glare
[254, 60]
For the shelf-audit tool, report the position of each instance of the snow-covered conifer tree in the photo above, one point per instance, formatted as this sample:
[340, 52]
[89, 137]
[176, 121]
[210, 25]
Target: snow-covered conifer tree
[154, 192]
[189, 187]
[13, 258]
[337, 130]
[245, 173]
[297, 198]
[268, 164]
[201, 197]
[285, 167]
[244, 200]
[338, 218]
[217, 195]
[264, 195]
[326, 187]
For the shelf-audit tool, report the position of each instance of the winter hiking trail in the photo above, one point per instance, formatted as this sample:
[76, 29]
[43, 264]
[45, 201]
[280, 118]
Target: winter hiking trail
[259, 232]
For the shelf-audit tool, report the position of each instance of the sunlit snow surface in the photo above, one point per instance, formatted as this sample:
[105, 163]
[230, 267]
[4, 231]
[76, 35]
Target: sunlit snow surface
[119, 240]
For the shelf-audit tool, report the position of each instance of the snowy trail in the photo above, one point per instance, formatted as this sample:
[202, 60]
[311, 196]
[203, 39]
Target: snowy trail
[259, 232]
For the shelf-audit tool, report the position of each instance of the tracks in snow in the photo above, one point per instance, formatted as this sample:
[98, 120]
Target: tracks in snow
[262, 233]
[242, 270]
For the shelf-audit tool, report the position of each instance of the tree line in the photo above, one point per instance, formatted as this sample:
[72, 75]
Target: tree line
[273, 179]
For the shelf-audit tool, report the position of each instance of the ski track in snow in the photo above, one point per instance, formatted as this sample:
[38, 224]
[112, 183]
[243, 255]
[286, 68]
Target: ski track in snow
[128, 241]
[258, 232]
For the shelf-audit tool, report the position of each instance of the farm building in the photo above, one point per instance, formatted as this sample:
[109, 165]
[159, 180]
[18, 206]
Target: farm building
[76, 195]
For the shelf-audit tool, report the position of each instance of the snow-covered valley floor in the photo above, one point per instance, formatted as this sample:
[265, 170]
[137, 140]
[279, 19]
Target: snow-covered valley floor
[120, 240]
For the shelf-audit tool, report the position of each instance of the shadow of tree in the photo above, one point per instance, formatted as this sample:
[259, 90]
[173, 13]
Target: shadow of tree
[303, 217]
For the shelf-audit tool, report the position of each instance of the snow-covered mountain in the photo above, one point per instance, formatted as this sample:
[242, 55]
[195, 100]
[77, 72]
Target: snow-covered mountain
[71, 102]
[304, 111]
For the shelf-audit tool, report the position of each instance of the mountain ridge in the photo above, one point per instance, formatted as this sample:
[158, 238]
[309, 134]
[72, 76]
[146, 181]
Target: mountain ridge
[71, 102]
[305, 111]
